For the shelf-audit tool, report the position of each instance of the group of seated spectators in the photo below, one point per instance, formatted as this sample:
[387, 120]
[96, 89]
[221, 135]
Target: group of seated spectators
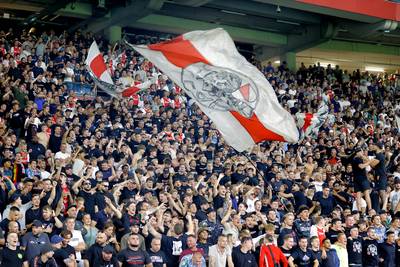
[148, 180]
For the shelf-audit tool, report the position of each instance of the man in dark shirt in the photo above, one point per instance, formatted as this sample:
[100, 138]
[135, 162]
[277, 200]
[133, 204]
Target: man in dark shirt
[380, 172]
[61, 256]
[334, 230]
[370, 249]
[326, 201]
[94, 253]
[108, 257]
[354, 247]
[157, 256]
[360, 180]
[302, 256]
[242, 256]
[173, 245]
[12, 255]
[287, 229]
[133, 256]
[316, 249]
[387, 251]
[33, 242]
[287, 246]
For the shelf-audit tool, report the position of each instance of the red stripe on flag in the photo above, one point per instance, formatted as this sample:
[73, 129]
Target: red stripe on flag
[98, 66]
[307, 121]
[179, 52]
[256, 129]
[130, 91]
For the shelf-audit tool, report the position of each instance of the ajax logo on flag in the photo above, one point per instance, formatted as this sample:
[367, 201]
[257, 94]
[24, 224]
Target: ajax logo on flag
[220, 89]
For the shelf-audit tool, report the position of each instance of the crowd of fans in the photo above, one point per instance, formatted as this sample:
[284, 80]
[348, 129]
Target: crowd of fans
[148, 181]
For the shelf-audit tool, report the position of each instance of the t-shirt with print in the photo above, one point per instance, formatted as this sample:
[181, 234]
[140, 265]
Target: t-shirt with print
[157, 258]
[303, 258]
[173, 248]
[370, 253]
[132, 258]
[354, 250]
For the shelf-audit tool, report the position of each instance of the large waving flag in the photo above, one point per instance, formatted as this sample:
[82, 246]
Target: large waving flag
[234, 94]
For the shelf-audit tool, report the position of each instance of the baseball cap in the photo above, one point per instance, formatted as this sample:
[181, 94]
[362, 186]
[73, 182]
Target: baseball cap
[108, 249]
[37, 223]
[55, 239]
[46, 248]
[14, 197]
[379, 144]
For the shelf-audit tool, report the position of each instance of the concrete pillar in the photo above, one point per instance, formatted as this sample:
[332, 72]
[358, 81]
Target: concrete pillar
[114, 33]
[290, 58]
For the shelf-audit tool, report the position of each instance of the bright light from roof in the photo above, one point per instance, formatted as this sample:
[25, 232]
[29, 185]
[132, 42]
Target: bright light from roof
[374, 69]
[277, 62]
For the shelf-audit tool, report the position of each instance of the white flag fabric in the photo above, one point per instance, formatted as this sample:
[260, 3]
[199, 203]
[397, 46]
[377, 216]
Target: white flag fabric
[233, 93]
[309, 123]
[95, 63]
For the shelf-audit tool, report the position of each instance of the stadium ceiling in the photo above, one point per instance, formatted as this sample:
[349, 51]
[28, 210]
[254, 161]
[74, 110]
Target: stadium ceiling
[283, 25]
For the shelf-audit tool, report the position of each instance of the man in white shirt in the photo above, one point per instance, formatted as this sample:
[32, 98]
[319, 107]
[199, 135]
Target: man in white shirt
[220, 255]
[62, 154]
[76, 241]
[394, 197]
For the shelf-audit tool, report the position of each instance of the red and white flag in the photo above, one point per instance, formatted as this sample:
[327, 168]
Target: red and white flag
[96, 64]
[98, 68]
[233, 93]
[309, 123]
[136, 88]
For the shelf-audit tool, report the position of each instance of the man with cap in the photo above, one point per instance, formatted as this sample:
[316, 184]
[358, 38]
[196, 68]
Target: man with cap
[45, 259]
[214, 226]
[108, 257]
[302, 224]
[34, 241]
[201, 213]
[61, 256]
[16, 201]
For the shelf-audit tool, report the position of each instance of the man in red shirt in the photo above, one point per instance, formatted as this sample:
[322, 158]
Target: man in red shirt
[271, 255]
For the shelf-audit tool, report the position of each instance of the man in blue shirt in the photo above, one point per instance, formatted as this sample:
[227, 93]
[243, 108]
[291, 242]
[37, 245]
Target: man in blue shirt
[329, 255]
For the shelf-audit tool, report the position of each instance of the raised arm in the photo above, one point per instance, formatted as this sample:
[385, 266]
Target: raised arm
[153, 231]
